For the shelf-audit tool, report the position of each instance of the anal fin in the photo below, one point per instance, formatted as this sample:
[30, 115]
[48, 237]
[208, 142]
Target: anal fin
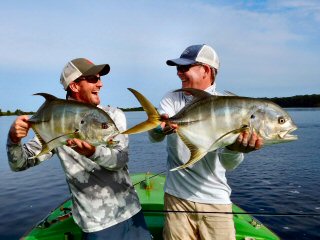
[195, 153]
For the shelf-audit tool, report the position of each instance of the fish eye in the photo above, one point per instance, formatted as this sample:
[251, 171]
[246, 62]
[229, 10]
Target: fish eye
[104, 125]
[281, 120]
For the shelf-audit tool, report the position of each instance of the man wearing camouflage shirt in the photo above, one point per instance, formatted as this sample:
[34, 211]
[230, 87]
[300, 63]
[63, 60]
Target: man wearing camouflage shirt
[104, 200]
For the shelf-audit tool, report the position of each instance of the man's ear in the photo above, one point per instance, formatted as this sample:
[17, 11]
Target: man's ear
[74, 87]
[207, 68]
[207, 71]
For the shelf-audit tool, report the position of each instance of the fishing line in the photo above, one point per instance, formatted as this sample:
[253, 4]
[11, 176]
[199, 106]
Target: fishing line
[235, 213]
[152, 176]
[239, 213]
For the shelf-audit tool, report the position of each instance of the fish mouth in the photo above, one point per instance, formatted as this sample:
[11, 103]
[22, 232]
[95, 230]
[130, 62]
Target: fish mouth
[286, 135]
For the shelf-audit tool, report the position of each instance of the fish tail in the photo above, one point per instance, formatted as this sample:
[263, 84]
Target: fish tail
[154, 118]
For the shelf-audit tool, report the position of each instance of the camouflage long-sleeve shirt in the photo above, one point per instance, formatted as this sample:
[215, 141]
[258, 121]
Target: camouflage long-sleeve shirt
[101, 188]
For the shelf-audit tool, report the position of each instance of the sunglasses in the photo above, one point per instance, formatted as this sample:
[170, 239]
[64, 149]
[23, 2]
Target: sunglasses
[89, 79]
[185, 68]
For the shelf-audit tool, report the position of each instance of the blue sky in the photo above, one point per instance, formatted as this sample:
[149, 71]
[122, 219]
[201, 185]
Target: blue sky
[266, 48]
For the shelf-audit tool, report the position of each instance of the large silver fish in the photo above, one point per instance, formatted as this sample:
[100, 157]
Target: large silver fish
[210, 122]
[58, 120]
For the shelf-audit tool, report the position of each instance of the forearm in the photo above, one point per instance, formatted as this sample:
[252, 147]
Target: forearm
[19, 155]
[230, 160]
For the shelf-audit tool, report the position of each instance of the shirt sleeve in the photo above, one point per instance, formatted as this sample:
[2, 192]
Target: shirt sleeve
[166, 105]
[20, 155]
[116, 157]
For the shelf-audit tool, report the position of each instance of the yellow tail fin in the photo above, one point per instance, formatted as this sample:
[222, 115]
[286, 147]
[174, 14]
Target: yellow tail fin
[154, 118]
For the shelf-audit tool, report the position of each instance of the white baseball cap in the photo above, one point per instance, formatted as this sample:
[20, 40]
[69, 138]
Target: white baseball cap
[197, 54]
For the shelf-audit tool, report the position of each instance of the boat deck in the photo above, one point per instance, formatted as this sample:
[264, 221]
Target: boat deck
[59, 224]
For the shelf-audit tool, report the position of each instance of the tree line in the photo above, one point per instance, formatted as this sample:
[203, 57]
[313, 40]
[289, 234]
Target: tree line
[307, 101]
[299, 101]
[16, 112]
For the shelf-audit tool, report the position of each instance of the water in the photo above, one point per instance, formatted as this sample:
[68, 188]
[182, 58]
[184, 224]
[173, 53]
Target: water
[282, 178]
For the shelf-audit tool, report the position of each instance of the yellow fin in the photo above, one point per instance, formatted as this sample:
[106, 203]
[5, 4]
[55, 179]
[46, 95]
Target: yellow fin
[39, 137]
[195, 153]
[142, 127]
[53, 143]
[153, 120]
[45, 149]
[216, 145]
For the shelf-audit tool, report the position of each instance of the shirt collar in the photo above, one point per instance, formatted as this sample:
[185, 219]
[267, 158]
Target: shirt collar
[212, 89]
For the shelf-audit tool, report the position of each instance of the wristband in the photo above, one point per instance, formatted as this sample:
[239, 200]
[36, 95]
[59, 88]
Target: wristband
[158, 130]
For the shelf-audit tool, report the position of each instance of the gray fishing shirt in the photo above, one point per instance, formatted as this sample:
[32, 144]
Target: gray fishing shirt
[101, 189]
[205, 181]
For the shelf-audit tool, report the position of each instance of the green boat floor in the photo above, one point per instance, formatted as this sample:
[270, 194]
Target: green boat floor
[59, 224]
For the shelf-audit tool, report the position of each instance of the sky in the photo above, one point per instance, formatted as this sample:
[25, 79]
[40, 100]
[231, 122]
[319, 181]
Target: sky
[266, 48]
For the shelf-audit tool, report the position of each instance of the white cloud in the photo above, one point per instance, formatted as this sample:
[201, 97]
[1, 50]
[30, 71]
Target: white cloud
[260, 44]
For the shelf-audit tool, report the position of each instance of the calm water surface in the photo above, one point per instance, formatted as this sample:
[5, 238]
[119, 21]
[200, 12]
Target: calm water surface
[283, 178]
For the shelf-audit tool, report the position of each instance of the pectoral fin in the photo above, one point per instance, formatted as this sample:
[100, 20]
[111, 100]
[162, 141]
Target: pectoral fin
[228, 138]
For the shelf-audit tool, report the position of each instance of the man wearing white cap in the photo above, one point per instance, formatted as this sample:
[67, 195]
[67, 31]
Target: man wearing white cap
[105, 204]
[202, 187]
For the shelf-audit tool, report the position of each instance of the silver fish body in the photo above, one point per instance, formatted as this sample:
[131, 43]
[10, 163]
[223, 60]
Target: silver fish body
[58, 120]
[210, 122]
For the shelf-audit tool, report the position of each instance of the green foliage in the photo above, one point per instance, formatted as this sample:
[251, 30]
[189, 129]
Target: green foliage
[308, 101]
[136, 109]
[16, 112]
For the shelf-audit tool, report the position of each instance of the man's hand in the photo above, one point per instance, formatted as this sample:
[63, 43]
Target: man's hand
[19, 128]
[247, 142]
[81, 147]
[166, 127]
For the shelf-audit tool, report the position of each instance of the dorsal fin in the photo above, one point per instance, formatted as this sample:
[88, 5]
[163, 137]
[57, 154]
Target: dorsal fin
[228, 93]
[37, 116]
[196, 93]
[47, 96]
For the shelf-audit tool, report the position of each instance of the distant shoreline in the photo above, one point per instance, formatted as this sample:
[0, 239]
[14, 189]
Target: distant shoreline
[299, 101]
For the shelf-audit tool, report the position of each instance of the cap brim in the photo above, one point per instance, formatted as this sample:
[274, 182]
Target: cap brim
[102, 70]
[180, 61]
